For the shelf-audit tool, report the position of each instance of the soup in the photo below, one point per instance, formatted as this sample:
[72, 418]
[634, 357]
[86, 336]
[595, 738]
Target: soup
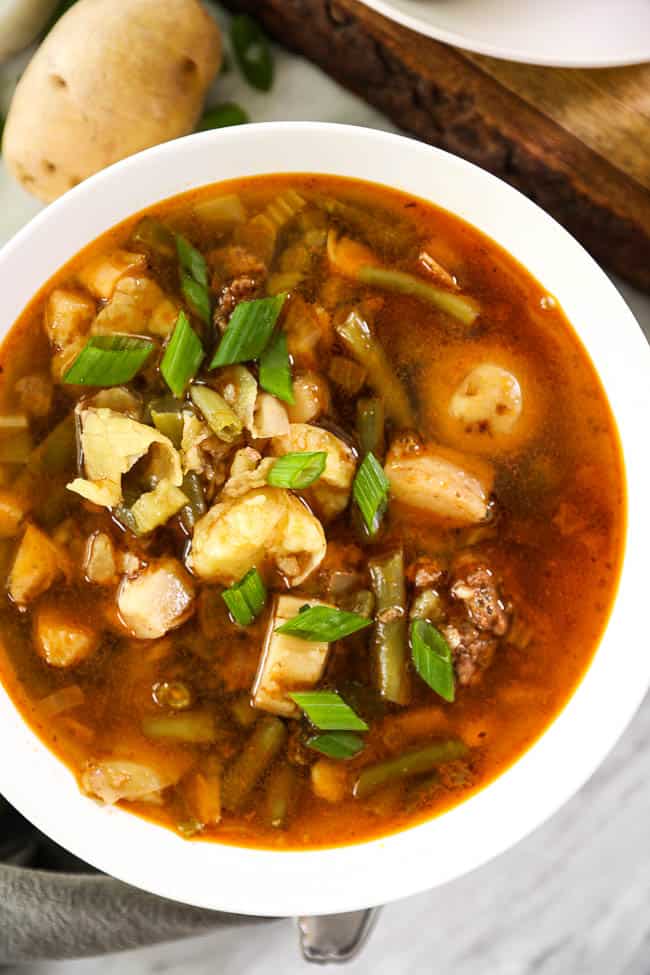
[311, 512]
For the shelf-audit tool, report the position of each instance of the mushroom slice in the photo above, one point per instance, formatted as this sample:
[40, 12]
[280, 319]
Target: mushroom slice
[287, 663]
[157, 599]
[266, 525]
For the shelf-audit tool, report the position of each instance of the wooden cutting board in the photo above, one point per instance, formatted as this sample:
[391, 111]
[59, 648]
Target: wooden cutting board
[575, 141]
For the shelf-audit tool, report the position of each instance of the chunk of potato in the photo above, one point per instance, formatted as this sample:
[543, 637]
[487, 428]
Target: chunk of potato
[439, 481]
[332, 490]
[114, 779]
[329, 780]
[287, 663]
[36, 565]
[109, 80]
[158, 599]
[100, 276]
[99, 563]
[68, 317]
[311, 397]
[138, 305]
[267, 525]
[61, 639]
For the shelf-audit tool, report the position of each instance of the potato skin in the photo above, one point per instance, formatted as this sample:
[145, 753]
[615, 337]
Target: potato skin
[109, 80]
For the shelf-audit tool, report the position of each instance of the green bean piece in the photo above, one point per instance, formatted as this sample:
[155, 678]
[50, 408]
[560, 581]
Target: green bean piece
[280, 795]
[243, 711]
[460, 307]
[414, 762]
[390, 638]
[361, 602]
[265, 743]
[166, 414]
[189, 727]
[197, 507]
[370, 426]
[427, 605]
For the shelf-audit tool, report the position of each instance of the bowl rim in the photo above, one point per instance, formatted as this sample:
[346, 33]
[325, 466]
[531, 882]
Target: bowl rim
[281, 883]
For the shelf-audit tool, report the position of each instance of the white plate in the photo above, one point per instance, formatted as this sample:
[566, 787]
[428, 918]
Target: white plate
[560, 33]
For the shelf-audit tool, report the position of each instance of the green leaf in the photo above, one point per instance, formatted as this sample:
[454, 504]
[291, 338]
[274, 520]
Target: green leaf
[323, 624]
[222, 116]
[252, 51]
[297, 470]
[245, 599]
[249, 330]
[109, 360]
[197, 296]
[183, 356]
[432, 658]
[336, 744]
[192, 260]
[370, 490]
[275, 369]
[328, 711]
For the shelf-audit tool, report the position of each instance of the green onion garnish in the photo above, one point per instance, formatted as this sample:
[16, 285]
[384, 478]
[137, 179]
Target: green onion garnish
[109, 360]
[323, 624]
[370, 491]
[432, 658]
[197, 296]
[183, 356]
[297, 470]
[249, 329]
[275, 369]
[221, 116]
[328, 711]
[245, 599]
[336, 744]
[192, 261]
[252, 51]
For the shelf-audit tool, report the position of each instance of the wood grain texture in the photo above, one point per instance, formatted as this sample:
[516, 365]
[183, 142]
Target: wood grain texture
[577, 142]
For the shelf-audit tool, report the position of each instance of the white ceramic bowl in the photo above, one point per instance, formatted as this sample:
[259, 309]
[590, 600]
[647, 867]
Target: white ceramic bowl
[328, 881]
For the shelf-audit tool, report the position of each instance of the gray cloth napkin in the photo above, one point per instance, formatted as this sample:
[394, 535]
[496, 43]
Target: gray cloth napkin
[53, 906]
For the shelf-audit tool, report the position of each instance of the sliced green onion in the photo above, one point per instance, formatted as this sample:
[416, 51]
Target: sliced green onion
[297, 470]
[370, 491]
[219, 416]
[249, 330]
[245, 599]
[221, 116]
[323, 624]
[109, 360]
[336, 744]
[328, 711]
[183, 356]
[192, 260]
[252, 51]
[275, 369]
[432, 658]
[197, 296]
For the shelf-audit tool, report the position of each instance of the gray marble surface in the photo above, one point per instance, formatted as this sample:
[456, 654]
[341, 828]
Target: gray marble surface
[572, 899]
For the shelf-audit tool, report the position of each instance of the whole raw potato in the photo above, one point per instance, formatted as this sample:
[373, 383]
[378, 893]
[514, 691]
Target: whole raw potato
[111, 78]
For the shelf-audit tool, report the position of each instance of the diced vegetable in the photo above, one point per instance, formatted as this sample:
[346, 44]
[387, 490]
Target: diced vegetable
[347, 256]
[323, 623]
[252, 51]
[202, 793]
[109, 360]
[138, 306]
[414, 762]
[287, 663]
[189, 727]
[65, 699]
[265, 743]
[281, 791]
[432, 658]
[156, 507]
[196, 506]
[357, 337]
[167, 416]
[370, 489]
[243, 711]
[154, 238]
[275, 368]
[99, 563]
[460, 307]
[246, 598]
[101, 275]
[36, 565]
[158, 599]
[182, 357]
[329, 780]
[370, 426]
[427, 605]
[311, 397]
[347, 374]
[440, 481]
[249, 330]
[297, 470]
[328, 711]
[336, 744]
[264, 526]
[222, 212]
[114, 779]
[222, 420]
[61, 639]
[390, 634]
[270, 418]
